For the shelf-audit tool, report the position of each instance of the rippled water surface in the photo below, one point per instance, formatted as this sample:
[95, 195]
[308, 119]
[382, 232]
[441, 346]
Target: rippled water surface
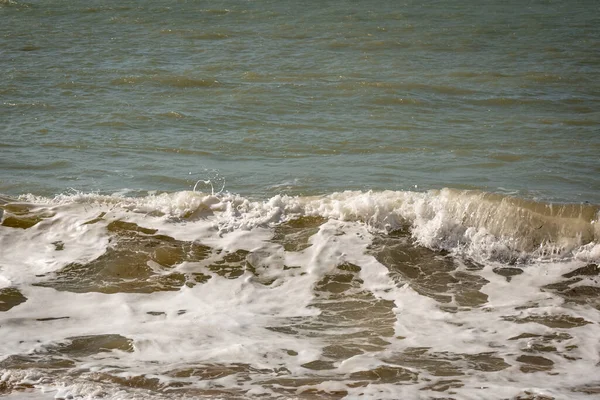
[305, 98]
[299, 200]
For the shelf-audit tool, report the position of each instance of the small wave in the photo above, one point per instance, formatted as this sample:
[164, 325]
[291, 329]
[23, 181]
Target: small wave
[506, 101]
[487, 75]
[12, 3]
[39, 166]
[438, 89]
[29, 105]
[93, 10]
[193, 34]
[30, 47]
[216, 11]
[542, 77]
[579, 122]
[392, 101]
[481, 225]
[507, 157]
[177, 81]
[173, 114]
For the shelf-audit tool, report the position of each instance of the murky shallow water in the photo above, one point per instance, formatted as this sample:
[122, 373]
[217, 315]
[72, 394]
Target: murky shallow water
[188, 295]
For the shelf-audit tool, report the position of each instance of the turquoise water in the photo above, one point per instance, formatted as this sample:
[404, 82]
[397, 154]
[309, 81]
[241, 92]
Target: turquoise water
[301, 97]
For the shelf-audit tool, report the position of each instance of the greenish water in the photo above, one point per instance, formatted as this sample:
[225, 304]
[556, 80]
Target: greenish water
[299, 200]
[301, 97]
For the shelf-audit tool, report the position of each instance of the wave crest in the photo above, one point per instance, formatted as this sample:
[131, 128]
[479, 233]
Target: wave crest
[479, 224]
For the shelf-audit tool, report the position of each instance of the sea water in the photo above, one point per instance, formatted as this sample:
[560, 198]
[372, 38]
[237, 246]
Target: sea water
[299, 200]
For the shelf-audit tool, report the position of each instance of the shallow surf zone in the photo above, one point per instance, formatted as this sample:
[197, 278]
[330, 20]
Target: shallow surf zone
[383, 295]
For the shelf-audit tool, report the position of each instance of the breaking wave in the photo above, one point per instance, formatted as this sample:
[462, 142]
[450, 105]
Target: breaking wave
[484, 226]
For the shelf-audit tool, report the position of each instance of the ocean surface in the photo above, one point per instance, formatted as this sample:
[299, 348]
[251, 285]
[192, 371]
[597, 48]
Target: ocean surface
[299, 199]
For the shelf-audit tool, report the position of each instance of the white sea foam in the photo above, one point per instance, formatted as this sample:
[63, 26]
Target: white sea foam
[484, 226]
[233, 321]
